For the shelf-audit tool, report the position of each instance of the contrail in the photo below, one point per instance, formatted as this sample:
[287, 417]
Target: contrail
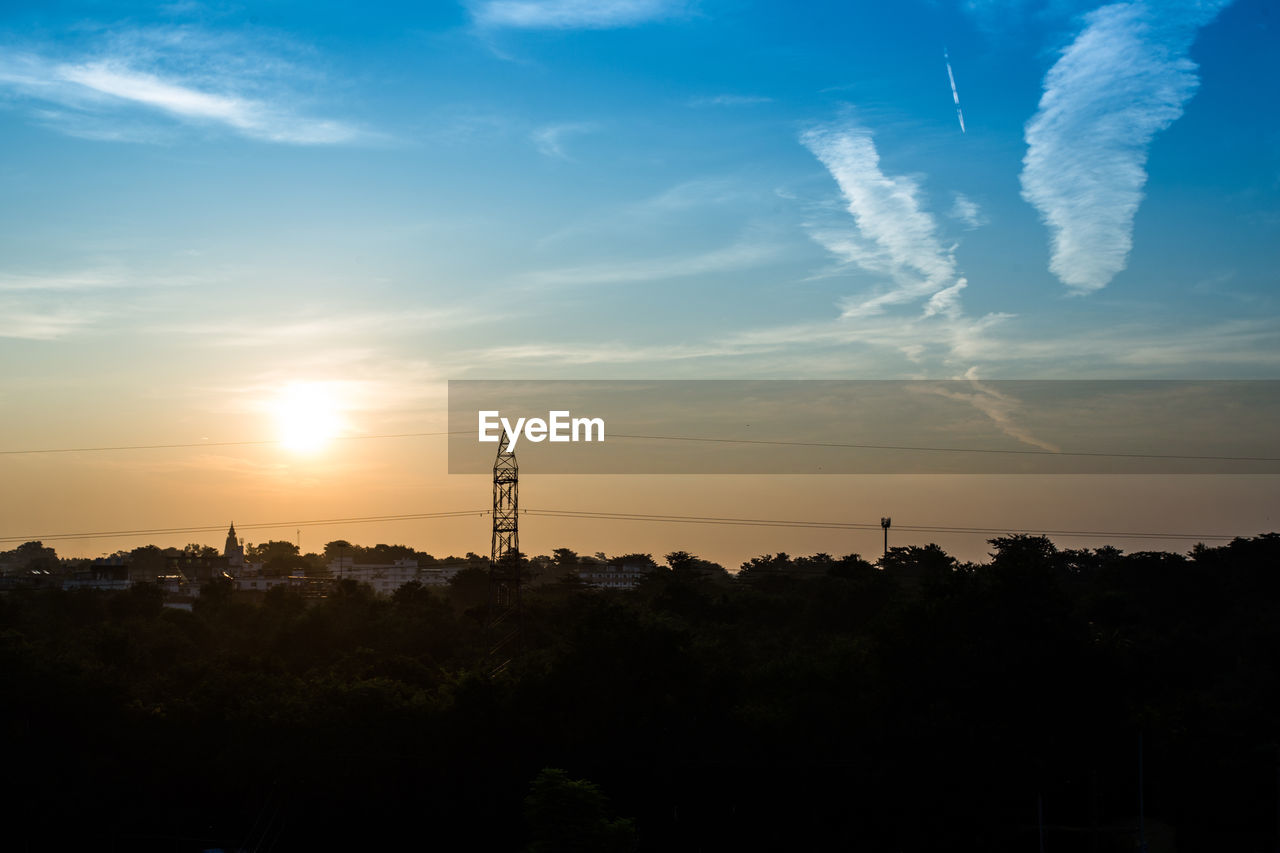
[954, 94]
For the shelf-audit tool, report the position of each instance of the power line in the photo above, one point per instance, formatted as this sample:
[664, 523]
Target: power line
[247, 443]
[633, 436]
[596, 515]
[163, 531]
[917, 448]
[853, 525]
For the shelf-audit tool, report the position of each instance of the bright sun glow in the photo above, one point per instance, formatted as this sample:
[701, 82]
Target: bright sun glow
[307, 416]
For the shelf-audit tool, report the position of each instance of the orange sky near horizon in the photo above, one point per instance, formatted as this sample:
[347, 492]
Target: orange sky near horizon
[195, 487]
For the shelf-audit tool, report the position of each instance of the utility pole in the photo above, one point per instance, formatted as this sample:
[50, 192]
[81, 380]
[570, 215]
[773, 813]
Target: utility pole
[885, 522]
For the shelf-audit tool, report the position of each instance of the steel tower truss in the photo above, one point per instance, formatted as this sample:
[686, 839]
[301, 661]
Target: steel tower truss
[504, 566]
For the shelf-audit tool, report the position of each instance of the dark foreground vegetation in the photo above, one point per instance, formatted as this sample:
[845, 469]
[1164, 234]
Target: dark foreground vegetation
[807, 704]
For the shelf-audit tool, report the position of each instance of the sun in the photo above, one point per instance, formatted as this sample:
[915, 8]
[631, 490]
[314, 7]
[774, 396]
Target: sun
[308, 416]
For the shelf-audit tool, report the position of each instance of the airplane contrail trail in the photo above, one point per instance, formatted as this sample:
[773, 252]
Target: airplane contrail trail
[954, 93]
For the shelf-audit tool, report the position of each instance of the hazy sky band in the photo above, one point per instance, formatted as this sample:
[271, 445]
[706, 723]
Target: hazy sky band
[207, 208]
[868, 427]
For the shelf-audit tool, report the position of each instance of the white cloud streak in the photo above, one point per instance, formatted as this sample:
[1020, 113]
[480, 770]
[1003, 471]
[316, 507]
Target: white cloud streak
[895, 234]
[344, 326]
[1125, 78]
[733, 257]
[997, 407]
[55, 305]
[674, 209]
[23, 322]
[571, 14]
[1127, 351]
[967, 211]
[550, 140]
[955, 95]
[730, 101]
[895, 237]
[174, 76]
[10, 282]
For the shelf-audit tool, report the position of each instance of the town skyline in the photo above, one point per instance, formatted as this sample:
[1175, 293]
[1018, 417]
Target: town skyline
[260, 237]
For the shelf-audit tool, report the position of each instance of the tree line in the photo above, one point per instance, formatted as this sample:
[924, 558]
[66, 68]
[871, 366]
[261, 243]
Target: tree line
[816, 702]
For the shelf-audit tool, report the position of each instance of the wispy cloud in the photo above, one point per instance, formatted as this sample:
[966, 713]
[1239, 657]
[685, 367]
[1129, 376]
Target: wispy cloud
[944, 339]
[670, 211]
[1144, 349]
[12, 282]
[998, 407]
[89, 280]
[967, 211]
[940, 346]
[550, 140]
[348, 326]
[596, 353]
[687, 195]
[895, 235]
[43, 324]
[736, 256]
[730, 101]
[915, 343]
[117, 89]
[572, 14]
[57, 304]
[1124, 78]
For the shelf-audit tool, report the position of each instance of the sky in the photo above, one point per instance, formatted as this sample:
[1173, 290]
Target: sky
[218, 220]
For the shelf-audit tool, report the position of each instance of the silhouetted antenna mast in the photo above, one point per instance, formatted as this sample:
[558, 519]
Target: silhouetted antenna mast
[506, 478]
[885, 522]
[504, 558]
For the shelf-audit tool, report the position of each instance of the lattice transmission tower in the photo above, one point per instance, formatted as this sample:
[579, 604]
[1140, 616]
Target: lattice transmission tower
[504, 560]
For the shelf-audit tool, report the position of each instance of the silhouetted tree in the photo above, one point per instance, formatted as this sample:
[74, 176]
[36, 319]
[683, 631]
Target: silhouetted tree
[268, 551]
[469, 588]
[338, 548]
[567, 815]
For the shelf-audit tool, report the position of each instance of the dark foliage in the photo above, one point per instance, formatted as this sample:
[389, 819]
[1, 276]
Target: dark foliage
[807, 703]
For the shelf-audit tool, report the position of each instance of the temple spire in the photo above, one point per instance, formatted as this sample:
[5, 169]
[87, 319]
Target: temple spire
[233, 550]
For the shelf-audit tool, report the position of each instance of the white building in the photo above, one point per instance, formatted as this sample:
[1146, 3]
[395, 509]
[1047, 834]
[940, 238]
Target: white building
[386, 578]
[261, 583]
[608, 576]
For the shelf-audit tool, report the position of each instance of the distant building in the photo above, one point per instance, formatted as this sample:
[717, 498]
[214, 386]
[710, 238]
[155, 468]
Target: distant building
[386, 578]
[609, 576]
[195, 568]
[29, 579]
[262, 583]
[102, 573]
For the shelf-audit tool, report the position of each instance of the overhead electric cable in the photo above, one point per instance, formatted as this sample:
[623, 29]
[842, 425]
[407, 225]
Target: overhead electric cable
[853, 525]
[719, 440]
[917, 448]
[247, 443]
[599, 515]
[163, 531]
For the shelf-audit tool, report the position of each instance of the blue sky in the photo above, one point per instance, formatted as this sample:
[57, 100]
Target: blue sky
[205, 202]
[654, 181]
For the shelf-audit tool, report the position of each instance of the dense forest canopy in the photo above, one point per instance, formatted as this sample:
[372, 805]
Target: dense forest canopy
[817, 702]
